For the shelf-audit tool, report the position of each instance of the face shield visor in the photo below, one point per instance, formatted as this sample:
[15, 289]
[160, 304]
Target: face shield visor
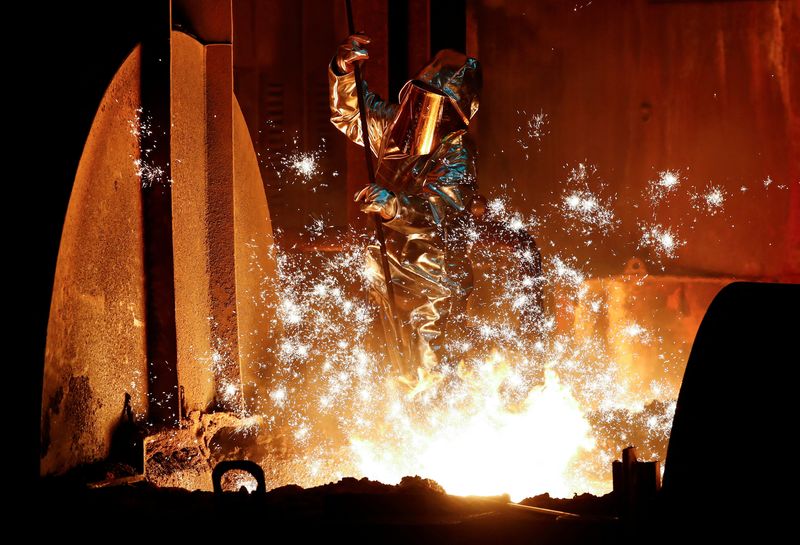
[425, 116]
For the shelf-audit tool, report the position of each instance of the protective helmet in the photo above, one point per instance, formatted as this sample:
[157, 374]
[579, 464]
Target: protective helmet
[442, 99]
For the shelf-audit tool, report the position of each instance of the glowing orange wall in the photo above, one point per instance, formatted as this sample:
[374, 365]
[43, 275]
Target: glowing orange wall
[710, 88]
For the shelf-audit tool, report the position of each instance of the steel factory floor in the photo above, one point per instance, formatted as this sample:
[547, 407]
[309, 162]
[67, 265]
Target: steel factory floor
[351, 511]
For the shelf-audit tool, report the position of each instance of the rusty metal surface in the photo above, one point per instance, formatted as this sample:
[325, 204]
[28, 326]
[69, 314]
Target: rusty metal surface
[219, 225]
[189, 208]
[256, 286]
[97, 342]
[96, 346]
[183, 457]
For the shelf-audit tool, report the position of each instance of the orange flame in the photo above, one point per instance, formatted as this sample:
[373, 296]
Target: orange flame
[476, 443]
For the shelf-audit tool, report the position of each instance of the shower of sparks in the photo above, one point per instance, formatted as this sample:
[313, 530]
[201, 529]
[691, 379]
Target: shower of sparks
[662, 241]
[316, 227]
[586, 208]
[533, 130]
[584, 205]
[497, 206]
[304, 165]
[711, 200]
[542, 399]
[141, 125]
[149, 174]
[537, 393]
[553, 407]
[499, 210]
[297, 165]
[634, 332]
[714, 198]
[522, 393]
[667, 182]
[767, 181]
[236, 479]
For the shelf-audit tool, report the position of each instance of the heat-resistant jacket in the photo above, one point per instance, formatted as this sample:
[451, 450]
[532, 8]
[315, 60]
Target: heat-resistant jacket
[431, 191]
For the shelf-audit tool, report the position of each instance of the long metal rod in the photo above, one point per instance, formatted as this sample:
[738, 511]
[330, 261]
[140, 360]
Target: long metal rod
[560, 515]
[376, 219]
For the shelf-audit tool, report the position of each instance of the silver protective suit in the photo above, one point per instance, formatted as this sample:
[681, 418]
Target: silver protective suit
[424, 159]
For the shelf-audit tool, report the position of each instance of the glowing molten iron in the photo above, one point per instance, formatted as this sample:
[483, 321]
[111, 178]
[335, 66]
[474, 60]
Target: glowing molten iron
[476, 444]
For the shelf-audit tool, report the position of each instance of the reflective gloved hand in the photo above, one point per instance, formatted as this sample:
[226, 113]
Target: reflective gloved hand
[351, 51]
[376, 198]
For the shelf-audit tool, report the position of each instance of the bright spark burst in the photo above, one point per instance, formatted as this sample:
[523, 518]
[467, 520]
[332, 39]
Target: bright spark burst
[150, 174]
[532, 403]
[234, 480]
[304, 165]
[662, 241]
[316, 227]
[585, 207]
[668, 179]
[666, 183]
[145, 167]
[633, 330]
[711, 200]
[141, 125]
[714, 198]
[299, 166]
[544, 431]
[553, 408]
